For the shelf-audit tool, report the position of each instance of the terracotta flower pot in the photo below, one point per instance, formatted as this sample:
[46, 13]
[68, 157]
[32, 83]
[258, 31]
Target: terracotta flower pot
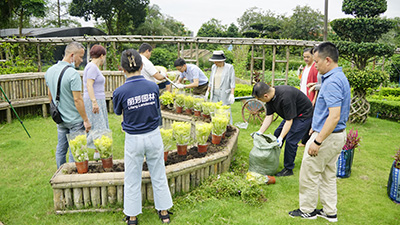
[223, 135]
[206, 116]
[107, 163]
[202, 148]
[216, 139]
[188, 111]
[271, 180]
[182, 149]
[179, 109]
[165, 156]
[197, 113]
[82, 167]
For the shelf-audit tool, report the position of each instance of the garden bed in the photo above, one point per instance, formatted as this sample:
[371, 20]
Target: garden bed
[104, 190]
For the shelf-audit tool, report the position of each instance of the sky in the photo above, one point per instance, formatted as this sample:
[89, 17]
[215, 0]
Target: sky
[193, 13]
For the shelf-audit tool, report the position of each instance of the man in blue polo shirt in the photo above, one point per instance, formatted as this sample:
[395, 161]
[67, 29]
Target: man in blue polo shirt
[198, 81]
[318, 167]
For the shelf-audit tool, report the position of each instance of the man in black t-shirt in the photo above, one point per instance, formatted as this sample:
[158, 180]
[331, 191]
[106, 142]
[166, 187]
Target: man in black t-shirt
[295, 109]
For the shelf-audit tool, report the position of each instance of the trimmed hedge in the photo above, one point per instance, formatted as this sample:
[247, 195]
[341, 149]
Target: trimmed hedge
[243, 90]
[385, 109]
[389, 91]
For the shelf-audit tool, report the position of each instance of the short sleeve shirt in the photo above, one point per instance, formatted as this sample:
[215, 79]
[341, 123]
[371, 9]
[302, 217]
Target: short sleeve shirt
[148, 70]
[289, 103]
[194, 72]
[334, 92]
[138, 99]
[93, 72]
[71, 81]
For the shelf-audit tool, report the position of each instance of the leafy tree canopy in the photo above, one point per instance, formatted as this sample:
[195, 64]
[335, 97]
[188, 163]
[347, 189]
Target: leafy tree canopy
[212, 28]
[158, 24]
[120, 16]
[363, 8]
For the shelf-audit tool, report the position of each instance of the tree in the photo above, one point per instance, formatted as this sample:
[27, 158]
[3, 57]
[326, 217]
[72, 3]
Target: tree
[305, 24]
[22, 10]
[212, 28]
[57, 18]
[232, 31]
[256, 15]
[158, 24]
[358, 45]
[120, 16]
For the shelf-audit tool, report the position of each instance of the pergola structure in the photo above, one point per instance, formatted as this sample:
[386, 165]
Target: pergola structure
[193, 42]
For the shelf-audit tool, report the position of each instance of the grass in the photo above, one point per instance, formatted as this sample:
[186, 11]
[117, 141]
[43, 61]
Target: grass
[26, 166]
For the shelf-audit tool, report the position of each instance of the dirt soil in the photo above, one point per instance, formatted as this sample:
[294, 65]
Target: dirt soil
[173, 157]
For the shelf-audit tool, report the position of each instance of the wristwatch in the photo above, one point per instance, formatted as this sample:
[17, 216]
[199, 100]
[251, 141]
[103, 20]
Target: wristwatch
[317, 143]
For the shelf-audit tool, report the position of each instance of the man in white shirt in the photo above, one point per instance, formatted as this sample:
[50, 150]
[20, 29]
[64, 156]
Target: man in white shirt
[149, 71]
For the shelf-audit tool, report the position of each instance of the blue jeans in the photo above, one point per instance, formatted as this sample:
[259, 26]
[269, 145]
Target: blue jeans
[137, 146]
[296, 132]
[62, 146]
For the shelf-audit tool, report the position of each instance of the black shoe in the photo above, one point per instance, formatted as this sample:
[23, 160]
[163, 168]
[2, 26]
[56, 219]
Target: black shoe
[299, 213]
[284, 172]
[330, 218]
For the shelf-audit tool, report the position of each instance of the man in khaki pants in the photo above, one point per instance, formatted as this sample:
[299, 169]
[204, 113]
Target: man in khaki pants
[318, 167]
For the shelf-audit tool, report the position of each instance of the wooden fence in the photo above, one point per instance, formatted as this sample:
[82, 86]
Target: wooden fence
[27, 93]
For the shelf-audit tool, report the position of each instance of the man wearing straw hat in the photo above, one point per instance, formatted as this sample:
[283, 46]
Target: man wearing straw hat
[198, 81]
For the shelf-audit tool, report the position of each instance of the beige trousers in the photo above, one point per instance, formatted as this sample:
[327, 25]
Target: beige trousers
[318, 174]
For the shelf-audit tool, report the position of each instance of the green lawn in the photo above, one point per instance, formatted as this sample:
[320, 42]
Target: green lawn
[26, 197]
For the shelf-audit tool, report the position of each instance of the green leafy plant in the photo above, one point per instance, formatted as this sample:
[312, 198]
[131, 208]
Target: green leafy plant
[181, 132]
[203, 131]
[219, 122]
[352, 140]
[104, 146]
[397, 159]
[167, 98]
[166, 135]
[197, 103]
[209, 107]
[188, 101]
[78, 148]
[179, 100]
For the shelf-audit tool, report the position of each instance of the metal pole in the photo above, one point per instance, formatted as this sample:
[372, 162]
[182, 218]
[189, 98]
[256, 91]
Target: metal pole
[22, 123]
[326, 21]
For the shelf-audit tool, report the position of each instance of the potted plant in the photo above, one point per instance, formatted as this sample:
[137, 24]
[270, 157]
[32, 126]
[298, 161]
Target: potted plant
[188, 103]
[203, 130]
[103, 142]
[166, 135]
[224, 110]
[179, 102]
[78, 145]
[393, 186]
[197, 103]
[167, 99]
[219, 123]
[209, 107]
[181, 134]
[345, 160]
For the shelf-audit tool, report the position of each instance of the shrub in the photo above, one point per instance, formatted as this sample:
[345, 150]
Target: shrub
[385, 109]
[243, 90]
[394, 70]
[163, 57]
[364, 79]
